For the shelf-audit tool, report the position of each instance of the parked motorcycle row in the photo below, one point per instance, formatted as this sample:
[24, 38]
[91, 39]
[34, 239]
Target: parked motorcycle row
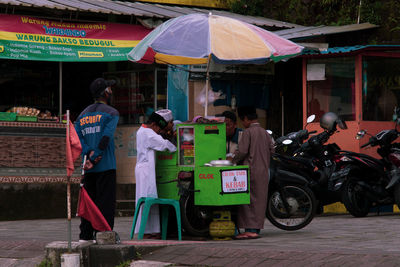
[306, 175]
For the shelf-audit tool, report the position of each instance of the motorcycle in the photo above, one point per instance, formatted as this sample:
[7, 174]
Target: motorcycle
[318, 161]
[371, 181]
[296, 138]
[291, 204]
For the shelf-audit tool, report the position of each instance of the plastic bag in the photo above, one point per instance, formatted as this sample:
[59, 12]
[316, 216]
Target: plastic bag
[212, 96]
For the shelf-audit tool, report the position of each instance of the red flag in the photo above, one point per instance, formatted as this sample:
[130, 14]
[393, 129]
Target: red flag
[73, 148]
[87, 209]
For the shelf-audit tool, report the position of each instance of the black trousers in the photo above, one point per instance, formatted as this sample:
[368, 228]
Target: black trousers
[101, 187]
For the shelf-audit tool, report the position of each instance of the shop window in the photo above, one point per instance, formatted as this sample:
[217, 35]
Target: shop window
[29, 84]
[138, 93]
[380, 88]
[331, 87]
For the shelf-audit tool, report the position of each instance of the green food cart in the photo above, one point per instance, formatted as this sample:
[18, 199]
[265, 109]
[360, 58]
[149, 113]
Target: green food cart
[198, 175]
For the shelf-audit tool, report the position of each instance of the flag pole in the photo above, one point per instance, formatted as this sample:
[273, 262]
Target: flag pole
[69, 195]
[81, 184]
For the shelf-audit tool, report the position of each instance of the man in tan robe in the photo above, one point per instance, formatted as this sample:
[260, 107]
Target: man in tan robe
[255, 148]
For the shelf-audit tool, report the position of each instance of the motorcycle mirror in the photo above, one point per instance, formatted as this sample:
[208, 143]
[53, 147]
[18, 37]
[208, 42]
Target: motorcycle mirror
[269, 132]
[360, 134]
[287, 142]
[311, 118]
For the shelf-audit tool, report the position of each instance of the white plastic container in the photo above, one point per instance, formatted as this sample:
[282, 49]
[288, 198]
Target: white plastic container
[70, 260]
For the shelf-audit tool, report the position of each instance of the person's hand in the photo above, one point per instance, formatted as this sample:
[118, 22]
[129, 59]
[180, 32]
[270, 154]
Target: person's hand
[89, 164]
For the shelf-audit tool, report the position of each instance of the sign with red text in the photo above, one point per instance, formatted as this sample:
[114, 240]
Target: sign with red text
[30, 38]
[234, 181]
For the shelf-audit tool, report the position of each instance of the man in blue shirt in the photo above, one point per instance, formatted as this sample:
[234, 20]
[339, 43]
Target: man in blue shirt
[95, 127]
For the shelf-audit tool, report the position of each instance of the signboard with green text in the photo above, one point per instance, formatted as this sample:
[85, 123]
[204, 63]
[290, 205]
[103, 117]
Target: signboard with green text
[29, 38]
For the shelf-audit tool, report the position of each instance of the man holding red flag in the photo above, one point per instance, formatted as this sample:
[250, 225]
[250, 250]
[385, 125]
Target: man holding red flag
[95, 127]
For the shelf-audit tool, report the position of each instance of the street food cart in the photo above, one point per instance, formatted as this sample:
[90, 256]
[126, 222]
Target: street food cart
[198, 175]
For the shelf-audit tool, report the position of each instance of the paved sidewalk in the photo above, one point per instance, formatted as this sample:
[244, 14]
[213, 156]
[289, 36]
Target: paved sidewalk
[339, 240]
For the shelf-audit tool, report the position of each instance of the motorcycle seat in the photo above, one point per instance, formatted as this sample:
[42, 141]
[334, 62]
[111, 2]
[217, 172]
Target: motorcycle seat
[305, 161]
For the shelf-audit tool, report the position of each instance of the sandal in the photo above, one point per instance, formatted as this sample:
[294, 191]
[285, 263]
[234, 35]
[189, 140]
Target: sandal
[247, 235]
[253, 235]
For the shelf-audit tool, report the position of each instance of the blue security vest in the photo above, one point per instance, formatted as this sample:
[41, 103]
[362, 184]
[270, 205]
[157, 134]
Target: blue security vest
[95, 127]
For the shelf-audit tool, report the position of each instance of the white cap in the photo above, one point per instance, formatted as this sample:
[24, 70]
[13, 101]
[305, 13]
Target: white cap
[175, 123]
[166, 114]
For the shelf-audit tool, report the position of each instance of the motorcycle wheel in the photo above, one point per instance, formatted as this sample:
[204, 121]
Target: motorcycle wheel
[397, 195]
[195, 219]
[354, 200]
[302, 207]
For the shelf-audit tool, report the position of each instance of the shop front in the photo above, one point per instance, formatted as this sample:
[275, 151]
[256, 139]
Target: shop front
[45, 69]
[361, 84]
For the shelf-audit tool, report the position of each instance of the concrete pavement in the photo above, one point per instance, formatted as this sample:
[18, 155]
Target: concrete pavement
[339, 240]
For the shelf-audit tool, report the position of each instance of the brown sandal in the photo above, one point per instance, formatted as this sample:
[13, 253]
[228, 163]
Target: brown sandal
[247, 235]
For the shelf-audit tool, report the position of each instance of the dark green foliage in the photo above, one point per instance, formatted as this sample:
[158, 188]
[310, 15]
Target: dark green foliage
[45, 263]
[328, 12]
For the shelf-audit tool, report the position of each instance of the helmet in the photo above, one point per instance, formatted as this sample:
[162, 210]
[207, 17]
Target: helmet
[329, 121]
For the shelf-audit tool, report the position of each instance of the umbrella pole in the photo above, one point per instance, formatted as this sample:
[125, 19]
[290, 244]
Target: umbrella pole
[207, 86]
[69, 195]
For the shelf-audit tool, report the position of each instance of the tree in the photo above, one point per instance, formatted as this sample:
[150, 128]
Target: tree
[328, 12]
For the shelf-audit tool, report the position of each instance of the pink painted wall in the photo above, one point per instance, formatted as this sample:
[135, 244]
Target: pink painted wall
[346, 140]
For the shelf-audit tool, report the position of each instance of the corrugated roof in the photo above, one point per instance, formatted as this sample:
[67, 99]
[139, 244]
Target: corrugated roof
[139, 9]
[307, 32]
[350, 49]
[14, 3]
[43, 3]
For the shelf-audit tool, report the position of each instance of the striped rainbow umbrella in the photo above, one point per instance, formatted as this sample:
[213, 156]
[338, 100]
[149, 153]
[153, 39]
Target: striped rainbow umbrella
[197, 38]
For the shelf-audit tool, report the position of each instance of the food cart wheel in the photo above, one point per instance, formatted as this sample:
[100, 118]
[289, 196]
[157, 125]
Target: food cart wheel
[195, 219]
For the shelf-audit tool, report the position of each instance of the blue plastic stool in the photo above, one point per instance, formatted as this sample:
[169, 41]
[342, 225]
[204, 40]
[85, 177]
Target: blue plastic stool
[163, 202]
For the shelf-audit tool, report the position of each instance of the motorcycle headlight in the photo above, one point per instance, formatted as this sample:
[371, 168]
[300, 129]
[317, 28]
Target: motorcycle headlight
[345, 158]
[337, 186]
